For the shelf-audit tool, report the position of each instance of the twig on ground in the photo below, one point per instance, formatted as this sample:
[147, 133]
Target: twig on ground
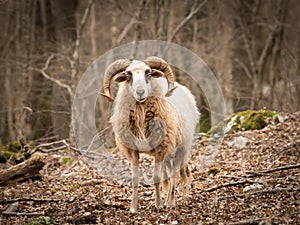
[28, 200]
[263, 172]
[231, 177]
[91, 182]
[22, 214]
[63, 142]
[228, 185]
[228, 162]
[288, 167]
[272, 191]
[253, 221]
[38, 147]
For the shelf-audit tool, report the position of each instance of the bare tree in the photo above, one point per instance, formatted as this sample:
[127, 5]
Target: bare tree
[73, 64]
[24, 50]
[138, 27]
[252, 47]
[258, 55]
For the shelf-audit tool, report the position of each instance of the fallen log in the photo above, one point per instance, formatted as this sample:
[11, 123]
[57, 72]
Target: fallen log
[23, 171]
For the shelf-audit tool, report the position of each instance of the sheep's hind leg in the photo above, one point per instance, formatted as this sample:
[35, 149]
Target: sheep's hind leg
[135, 182]
[170, 200]
[164, 184]
[157, 181]
[186, 178]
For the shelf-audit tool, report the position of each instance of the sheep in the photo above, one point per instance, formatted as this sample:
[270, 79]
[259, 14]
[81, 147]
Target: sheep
[155, 115]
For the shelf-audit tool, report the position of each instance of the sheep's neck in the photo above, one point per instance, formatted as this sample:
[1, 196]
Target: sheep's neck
[141, 114]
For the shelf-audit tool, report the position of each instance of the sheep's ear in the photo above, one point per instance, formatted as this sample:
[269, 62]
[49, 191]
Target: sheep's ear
[156, 73]
[120, 77]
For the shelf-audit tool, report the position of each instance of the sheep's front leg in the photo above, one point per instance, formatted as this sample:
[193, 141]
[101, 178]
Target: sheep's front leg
[135, 182]
[157, 180]
[170, 200]
[173, 167]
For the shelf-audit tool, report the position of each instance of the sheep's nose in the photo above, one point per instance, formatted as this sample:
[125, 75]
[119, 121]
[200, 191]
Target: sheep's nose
[140, 91]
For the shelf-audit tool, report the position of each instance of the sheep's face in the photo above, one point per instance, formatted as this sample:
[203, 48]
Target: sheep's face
[138, 75]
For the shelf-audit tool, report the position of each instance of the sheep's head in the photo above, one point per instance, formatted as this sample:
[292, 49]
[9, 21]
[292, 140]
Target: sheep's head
[138, 74]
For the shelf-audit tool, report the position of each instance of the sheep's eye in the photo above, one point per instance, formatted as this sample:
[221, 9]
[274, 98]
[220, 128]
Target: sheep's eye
[128, 76]
[148, 73]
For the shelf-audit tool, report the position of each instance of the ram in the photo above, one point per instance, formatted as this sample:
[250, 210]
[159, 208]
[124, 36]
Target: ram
[155, 115]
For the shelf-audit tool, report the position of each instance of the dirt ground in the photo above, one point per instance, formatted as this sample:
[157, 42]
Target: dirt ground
[254, 178]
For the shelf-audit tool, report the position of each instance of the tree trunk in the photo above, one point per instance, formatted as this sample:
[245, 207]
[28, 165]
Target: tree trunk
[257, 90]
[138, 28]
[24, 49]
[23, 171]
[64, 23]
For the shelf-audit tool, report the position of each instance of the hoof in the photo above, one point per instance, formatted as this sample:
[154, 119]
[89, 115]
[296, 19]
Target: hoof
[133, 210]
[159, 205]
[158, 208]
[170, 205]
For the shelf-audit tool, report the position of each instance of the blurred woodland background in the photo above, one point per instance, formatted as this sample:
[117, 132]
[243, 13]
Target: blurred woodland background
[252, 46]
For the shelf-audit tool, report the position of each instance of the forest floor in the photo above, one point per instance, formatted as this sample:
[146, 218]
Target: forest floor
[258, 183]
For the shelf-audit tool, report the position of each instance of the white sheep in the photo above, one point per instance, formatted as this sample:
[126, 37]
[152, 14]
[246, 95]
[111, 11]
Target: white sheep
[152, 114]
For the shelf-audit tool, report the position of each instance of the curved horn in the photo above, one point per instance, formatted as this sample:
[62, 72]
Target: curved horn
[118, 66]
[160, 64]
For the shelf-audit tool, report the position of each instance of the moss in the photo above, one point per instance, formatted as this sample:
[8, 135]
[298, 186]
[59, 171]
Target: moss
[213, 171]
[65, 160]
[245, 120]
[42, 220]
[204, 122]
[13, 148]
[216, 129]
[255, 121]
[113, 150]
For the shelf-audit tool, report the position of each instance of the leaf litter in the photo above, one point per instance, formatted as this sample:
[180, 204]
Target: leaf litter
[256, 182]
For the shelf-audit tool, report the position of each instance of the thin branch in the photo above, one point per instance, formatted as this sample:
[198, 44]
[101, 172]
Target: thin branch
[244, 67]
[138, 28]
[79, 33]
[193, 11]
[53, 149]
[288, 167]
[268, 46]
[272, 191]
[84, 18]
[64, 145]
[28, 200]
[48, 61]
[118, 5]
[228, 185]
[22, 214]
[49, 144]
[59, 55]
[126, 29]
[91, 182]
[246, 41]
[228, 162]
[45, 74]
[253, 221]
[9, 42]
[92, 31]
